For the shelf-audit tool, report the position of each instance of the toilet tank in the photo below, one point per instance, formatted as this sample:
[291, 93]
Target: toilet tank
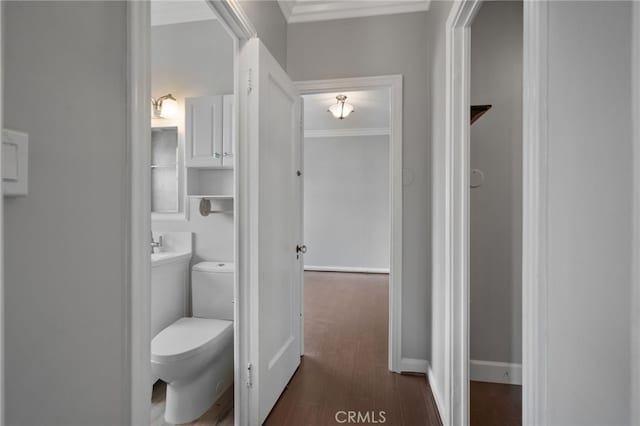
[212, 290]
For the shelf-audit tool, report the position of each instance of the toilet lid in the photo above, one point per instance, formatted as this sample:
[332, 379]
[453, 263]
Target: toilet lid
[187, 336]
[214, 267]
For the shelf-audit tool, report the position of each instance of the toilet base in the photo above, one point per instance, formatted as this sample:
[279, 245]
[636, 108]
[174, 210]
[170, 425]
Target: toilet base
[189, 399]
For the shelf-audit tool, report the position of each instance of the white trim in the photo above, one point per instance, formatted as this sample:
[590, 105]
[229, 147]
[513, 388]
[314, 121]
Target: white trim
[138, 303]
[301, 11]
[534, 225]
[394, 84]
[413, 365]
[495, 372]
[167, 13]
[342, 133]
[436, 391]
[353, 269]
[456, 256]
[231, 13]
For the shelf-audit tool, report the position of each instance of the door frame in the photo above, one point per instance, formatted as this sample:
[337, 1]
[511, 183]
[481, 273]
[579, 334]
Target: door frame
[455, 261]
[137, 303]
[394, 84]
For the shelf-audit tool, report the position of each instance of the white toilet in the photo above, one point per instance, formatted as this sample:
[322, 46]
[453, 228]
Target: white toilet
[194, 356]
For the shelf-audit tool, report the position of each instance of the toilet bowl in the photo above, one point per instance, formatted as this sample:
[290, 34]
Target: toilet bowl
[194, 356]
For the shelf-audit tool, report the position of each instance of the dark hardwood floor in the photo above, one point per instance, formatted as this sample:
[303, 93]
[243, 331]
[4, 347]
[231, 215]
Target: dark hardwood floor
[494, 404]
[344, 367]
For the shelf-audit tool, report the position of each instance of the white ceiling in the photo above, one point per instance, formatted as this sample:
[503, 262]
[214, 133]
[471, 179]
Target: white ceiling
[165, 12]
[371, 111]
[316, 10]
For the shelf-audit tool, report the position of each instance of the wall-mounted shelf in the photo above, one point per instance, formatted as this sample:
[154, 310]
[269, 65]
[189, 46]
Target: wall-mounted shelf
[212, 197]
[209, 181]
[478, 111]
[214, 204]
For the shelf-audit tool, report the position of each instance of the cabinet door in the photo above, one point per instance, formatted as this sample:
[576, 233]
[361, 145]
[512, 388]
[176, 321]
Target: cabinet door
[227, 131]
[203, 132]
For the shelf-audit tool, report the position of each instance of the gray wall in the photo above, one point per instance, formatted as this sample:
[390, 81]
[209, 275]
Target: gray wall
[589, 213]
[392, 44]
[267, 18]
[191, 59]
[194, 59]
[496, 206]
[635, 292]
[436, 117]
[346, 201]
[65, 85]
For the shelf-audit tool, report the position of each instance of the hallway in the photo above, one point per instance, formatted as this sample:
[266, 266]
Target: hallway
[344, 367]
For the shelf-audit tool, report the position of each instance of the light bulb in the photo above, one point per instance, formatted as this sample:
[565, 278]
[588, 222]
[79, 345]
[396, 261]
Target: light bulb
[169, 108]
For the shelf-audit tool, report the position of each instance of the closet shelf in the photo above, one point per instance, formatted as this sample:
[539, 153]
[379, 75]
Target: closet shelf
[478, 111]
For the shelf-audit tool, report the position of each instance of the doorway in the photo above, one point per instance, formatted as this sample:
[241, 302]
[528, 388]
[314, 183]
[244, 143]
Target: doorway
[457, 221]
[336, 288]
[388, 89]
[193, 219]
[170, 177]
[495, 218]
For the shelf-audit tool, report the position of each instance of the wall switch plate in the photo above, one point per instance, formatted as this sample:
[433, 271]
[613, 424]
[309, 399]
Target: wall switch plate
[15, 163]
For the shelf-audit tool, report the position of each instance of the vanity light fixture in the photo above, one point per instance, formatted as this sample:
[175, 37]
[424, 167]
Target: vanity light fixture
[165, 106]
[341, 109]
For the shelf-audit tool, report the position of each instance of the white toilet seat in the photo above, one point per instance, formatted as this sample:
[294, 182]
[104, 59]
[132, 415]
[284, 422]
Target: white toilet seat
[187, 337]
[194, 356]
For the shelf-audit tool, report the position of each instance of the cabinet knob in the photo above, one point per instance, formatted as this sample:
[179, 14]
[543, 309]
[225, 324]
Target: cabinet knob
[216, 154]
[227, 154]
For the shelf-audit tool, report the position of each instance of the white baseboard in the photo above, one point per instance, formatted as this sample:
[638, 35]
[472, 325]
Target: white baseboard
[413, 365]
[358, 269]
[437, 395]
[495, 372]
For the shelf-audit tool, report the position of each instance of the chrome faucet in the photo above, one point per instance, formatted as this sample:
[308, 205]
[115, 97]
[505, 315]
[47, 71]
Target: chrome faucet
[155, 244]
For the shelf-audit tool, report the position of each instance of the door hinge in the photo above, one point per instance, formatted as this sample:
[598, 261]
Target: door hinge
[250, 82]
[250, 375]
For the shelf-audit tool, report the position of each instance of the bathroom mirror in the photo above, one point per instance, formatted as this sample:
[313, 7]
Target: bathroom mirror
[165, 171]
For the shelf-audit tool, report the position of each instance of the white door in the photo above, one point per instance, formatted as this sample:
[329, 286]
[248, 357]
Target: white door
[272, 143]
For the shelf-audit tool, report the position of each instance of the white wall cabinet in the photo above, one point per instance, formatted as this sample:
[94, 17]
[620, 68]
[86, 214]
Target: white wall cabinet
[227, 131]
[203, 131]
[209, 131]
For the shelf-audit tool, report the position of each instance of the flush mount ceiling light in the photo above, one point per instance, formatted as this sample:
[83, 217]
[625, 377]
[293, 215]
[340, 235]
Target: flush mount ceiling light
[341, 109]
[165, 106]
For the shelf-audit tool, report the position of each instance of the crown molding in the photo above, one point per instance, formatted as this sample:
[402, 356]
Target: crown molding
[287, 8]
[302, 11]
